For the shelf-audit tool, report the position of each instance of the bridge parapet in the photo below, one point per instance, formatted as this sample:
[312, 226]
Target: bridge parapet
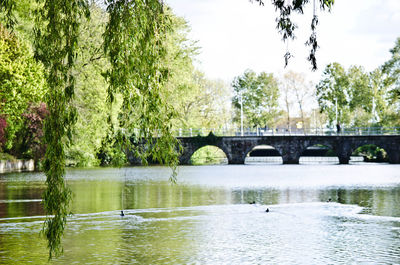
[352, 131]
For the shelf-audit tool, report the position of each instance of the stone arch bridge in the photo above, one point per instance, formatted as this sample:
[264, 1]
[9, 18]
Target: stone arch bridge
[290, 148]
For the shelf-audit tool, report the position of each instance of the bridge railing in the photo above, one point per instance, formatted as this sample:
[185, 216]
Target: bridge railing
[191, 132]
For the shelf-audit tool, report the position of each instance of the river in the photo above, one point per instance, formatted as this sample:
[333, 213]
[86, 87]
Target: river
[208, 218]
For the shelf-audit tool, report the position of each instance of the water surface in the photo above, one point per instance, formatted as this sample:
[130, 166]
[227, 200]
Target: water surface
[207, 217]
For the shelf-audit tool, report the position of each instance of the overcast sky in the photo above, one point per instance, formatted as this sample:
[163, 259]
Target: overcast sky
[235, 35]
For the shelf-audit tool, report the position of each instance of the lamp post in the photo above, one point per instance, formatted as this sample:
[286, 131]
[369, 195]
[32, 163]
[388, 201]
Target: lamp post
[315, 121]
[373, 111]
[336, 110]
[241, 113]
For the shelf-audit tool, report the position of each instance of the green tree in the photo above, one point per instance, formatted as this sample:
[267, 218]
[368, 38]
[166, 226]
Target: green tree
[259, 94]
[214, 105]
[24, 14]
[56, 40]
[181, 89]
[29, 140]
[392, 70]
[21, 81]
[203, 103]
[361, 96]
[90, 98]
[391, 79]
[380, 106]
[135, 44]
[333, 94]
[197, 101]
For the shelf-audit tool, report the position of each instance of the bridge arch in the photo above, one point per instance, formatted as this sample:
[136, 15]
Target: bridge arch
[318, 153]
[190, 148]
[372, 153]
[346, 150]
[208, 154]
[263, 153]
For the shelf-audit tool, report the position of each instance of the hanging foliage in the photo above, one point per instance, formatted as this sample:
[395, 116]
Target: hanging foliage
[7, 7]
[56, 35]
[135, 45]
[287, 27]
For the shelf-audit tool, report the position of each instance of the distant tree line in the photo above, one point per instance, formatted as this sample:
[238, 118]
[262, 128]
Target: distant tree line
[352, 97]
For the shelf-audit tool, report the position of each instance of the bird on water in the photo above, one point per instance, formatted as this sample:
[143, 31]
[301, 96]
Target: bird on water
[122, 213]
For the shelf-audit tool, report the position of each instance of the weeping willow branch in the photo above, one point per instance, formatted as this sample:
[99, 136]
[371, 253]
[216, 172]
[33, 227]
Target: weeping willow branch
[313, 43]
[134, 42]
[56, 40]
[7, 7]
[287, 27]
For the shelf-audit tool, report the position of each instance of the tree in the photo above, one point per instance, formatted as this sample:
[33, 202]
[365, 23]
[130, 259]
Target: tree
[202, 103]
[21, 81]
[56, 43]
[391, 69]
[333, 94]
[197, 101]
[24, 14]
[296, 90]
[29, 141]
[210, 110]
[359, 89]
[215, 110]
[181, 88]
[135, 45]
[361, 96]
[90, 98]
[259, 94]
[391, 80]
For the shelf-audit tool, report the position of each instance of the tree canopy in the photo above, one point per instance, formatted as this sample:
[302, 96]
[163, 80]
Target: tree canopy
[297, 92]
[259, 96]
[21, 81]
[360, 98]
[392, 69]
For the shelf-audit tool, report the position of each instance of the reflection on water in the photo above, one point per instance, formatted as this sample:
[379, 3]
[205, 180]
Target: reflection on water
[207, 217]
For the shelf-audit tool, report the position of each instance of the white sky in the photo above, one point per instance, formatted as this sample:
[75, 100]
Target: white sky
[235, 35]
